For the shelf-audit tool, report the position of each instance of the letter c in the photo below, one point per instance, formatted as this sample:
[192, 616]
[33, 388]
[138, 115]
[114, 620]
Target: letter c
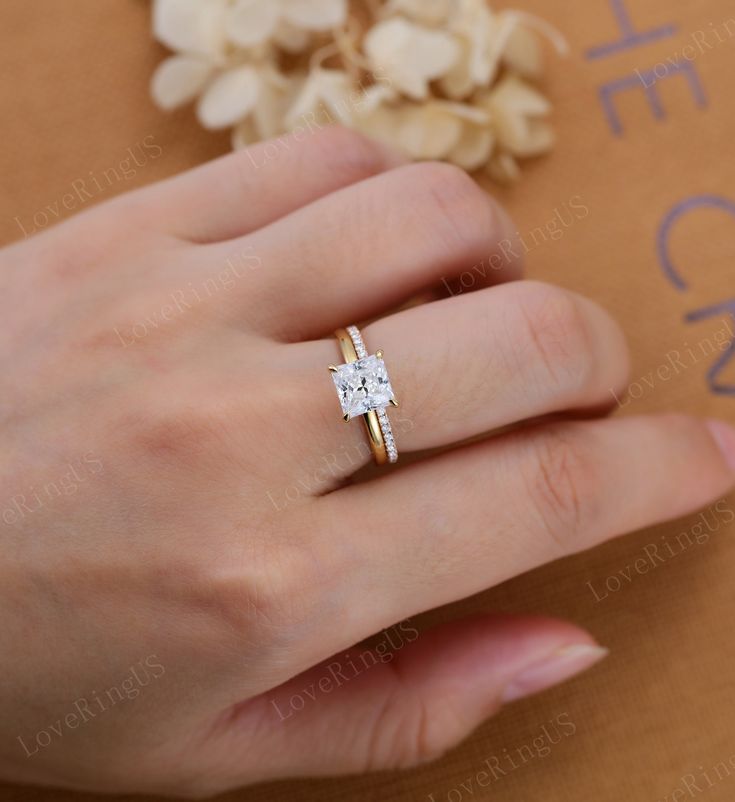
[673, 217]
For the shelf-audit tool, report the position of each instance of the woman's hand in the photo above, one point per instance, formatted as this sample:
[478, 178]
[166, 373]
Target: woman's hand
[183, 553]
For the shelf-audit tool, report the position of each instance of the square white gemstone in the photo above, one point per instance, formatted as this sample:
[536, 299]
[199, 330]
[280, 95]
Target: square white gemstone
[362, 386]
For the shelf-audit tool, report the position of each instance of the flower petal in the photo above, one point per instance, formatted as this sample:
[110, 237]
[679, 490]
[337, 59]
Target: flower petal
[428, 12]
[314, 15]
[381, 123]
[473, 149]
[476, 24]
[516, 108]
[539, 139]
[251, 22]
[290, 38]
[517, 96]
[410, 55]
[370, 98]
[192, 26]
[459, 83]
[503, 168]
[472, 114]
[229, 98]
[179, 79]
[522, 53]
[426, 132]
[326, 95]
[277, 92]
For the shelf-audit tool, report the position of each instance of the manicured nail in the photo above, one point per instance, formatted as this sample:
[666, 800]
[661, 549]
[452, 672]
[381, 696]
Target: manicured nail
[559, 666]
[724, 436]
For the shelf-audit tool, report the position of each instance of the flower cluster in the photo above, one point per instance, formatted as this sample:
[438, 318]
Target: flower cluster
[438, 79]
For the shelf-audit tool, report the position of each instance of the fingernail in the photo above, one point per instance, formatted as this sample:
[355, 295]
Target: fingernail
[724, 436]
[559, 666]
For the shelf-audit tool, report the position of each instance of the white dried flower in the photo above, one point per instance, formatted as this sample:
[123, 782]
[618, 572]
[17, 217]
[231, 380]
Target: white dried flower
[229, 98]
[474, 147]
[428, 12]
[253, 22]
[179, 79]
[476, 27]
[266, 120]
[439, 79]
[290, 38]
[191, 26]
[325, 91]
[518, 114]
[410, 55]
[522, 53]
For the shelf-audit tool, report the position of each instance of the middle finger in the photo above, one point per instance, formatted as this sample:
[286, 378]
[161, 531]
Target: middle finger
[368, 248]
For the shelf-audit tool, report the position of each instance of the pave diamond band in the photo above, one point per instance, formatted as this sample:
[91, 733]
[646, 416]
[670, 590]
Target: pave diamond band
[356, 338]
[390, 443]
[364, 389]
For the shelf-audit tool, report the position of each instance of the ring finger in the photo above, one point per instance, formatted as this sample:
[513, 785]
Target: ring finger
[464, 366]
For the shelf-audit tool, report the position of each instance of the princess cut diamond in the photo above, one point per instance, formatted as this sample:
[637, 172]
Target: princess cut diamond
[362, 386]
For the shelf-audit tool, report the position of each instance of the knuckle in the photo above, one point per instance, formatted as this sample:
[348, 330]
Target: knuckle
[263, 596]
[560, 477]
[558, 336]
[453, 209]
[179, 433]
[266, 588]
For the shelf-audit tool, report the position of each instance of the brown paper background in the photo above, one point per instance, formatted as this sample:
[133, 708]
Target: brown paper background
[74, 97]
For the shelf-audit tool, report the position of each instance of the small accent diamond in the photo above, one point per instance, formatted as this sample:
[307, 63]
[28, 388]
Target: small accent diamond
[357, 341]
[390, 445]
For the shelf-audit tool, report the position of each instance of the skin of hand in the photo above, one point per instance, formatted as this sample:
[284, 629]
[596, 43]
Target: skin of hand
[187, 563]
